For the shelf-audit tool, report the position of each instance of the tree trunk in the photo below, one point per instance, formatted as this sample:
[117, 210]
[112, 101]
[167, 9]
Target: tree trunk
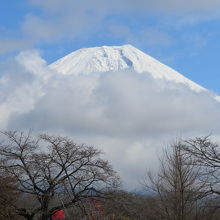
[44, 207]
[44, 217]
[25, 214]
[28, 217]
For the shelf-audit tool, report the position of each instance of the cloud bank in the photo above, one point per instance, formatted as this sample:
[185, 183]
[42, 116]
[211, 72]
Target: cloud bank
[130, 116]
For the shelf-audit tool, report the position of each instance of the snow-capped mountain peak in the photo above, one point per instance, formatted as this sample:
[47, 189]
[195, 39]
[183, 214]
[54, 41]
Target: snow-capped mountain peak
[116, 58]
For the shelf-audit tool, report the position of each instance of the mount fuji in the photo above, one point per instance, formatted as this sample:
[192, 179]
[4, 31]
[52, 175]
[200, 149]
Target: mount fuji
[116, 58]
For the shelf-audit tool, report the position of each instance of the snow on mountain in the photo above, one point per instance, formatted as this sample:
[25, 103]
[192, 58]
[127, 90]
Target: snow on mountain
[115, 58]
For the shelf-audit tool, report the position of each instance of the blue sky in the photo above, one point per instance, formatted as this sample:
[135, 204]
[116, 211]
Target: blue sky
[182, 34]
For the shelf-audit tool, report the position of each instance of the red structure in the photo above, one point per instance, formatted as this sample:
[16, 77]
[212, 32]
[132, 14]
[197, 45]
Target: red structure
[96, 208]
[58, 215]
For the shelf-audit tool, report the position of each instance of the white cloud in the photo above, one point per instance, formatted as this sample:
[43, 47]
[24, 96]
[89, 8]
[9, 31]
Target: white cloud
[128, 115]
[21, 84]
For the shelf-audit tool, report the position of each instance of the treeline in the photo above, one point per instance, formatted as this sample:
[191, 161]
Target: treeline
[52, 177]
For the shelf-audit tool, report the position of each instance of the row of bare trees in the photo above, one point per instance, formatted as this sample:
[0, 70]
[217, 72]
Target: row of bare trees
[187, 185]
[39, 175]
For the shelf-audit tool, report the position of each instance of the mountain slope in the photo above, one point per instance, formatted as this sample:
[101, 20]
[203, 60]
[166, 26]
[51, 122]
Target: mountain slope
[115, 58]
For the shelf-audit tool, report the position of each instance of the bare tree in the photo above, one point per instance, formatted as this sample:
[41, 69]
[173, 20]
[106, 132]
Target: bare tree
[126, 205]
[175, 185]
[54, 168]
[8, 197]
[206, 155]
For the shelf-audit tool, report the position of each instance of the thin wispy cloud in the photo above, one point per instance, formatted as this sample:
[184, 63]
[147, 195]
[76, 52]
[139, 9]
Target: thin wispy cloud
[55, 21]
